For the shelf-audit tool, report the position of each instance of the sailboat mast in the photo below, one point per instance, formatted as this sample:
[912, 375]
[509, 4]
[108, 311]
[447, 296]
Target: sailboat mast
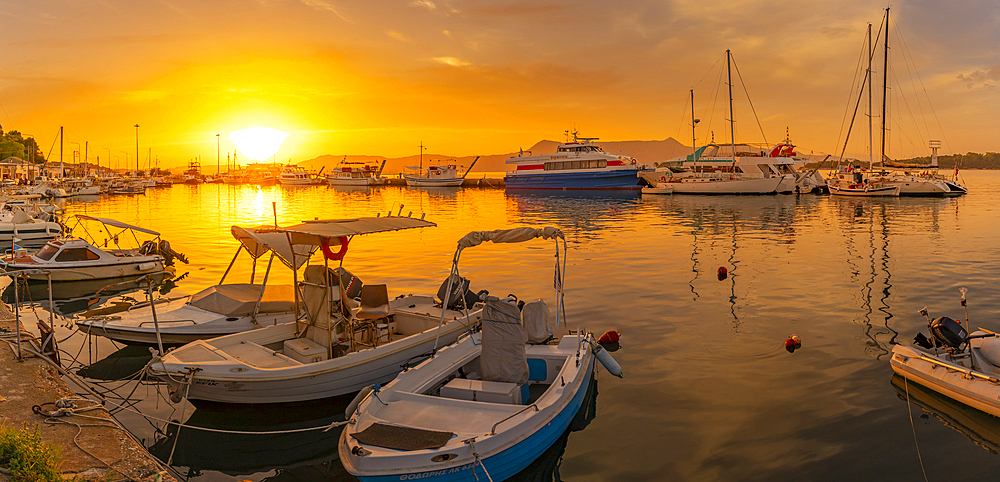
[60, 152]
[694, 135]
[732, 122]
[871, 134]
[885, 80]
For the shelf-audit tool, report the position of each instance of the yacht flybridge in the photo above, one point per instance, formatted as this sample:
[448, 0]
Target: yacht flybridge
[334, 345]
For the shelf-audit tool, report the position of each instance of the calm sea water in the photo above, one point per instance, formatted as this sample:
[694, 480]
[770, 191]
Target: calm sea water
[709, 391]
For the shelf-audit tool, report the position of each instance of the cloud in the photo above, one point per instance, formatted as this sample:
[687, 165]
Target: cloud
[452, 61]
[397, 36]
[324, 5]
[428, 4]
[981, 79]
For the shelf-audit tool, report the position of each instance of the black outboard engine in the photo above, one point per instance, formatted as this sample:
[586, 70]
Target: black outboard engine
[461, 296]
[352, 284]
[948, 332]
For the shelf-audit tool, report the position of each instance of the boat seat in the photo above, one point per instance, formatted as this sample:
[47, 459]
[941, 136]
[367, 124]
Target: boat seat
[239, 299]
[259, 356]
[989, 349]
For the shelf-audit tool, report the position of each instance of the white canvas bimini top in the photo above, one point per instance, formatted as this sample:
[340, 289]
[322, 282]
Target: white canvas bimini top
[304, 239]
[117, 224]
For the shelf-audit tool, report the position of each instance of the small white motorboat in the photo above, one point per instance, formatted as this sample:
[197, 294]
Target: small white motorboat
[438, 175]
[228, 308]
[659, 188]
[332, 348]
[26, 222]
[356, 174]
[73, 258]
[484, 408]
[954, 363]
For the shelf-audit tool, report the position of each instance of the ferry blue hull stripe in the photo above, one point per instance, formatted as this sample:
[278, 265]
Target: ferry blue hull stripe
[615, 179]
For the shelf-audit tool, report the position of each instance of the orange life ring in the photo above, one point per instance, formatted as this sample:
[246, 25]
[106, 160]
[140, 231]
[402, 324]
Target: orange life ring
[339, 255]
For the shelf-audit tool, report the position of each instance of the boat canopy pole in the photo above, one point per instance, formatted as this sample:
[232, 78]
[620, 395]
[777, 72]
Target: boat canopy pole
[263, 286]
[295, 285]
[234, 261]
[447, 295]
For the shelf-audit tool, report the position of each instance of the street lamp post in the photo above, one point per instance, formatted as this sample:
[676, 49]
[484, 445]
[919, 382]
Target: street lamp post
[75, 153]
[137, 150]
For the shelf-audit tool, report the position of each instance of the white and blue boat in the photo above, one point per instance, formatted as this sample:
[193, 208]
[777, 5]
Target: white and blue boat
[576, 164]
[485, 407]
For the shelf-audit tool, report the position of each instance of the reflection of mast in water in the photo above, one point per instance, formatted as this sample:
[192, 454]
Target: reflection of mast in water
[732, 281]
[878, 262]
[694, 263]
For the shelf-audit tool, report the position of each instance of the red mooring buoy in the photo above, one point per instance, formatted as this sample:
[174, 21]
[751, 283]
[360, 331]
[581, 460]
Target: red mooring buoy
[793, 343]
[723, 273]
[610, 336]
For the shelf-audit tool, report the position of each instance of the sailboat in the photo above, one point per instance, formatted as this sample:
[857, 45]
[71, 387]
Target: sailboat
[732, 169]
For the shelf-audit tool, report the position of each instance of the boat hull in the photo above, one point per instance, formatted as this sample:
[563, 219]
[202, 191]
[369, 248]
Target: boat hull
[948, 379]
[503, 453]
[582, 179]
[870, 192]
[725, 186]
[424, 182]
[372, 181]
[80, 273]
[29, 231]
[231, 381]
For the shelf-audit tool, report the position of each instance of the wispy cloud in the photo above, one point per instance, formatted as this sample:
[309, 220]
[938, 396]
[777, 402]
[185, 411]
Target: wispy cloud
[326, 6]
[397, 36]
[982, 78]
[452, 61]
[428, 4]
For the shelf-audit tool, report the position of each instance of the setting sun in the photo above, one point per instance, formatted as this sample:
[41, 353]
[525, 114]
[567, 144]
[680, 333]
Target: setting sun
[258, 143]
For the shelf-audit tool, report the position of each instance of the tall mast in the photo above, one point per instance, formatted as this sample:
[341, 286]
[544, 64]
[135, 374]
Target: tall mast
[60, 151]
[732, 123]
[885, 79]
[871, 134]
[694, 135]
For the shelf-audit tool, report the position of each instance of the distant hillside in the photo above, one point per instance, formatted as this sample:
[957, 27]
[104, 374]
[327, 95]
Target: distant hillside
[646, 152]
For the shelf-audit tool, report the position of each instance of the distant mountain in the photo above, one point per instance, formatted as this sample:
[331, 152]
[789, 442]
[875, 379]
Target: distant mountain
[646, 152]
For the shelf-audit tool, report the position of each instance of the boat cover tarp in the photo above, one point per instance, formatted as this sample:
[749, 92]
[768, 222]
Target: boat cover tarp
[117, 224]
[503, 358]
[239, 299]
[537, 321]
[402, 438]
[514, 235]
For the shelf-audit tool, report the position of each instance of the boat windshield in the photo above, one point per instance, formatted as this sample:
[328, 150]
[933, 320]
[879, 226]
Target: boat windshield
[47, 252]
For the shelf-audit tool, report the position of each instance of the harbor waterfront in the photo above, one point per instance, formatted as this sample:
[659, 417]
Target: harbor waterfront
[710, 391]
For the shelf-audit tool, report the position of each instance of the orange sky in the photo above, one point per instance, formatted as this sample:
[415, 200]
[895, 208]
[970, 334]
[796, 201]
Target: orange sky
[479, 76]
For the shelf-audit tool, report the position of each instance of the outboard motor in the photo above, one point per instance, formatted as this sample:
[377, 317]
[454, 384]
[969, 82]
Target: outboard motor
[169, 254]
[460, 297]
[948, 332]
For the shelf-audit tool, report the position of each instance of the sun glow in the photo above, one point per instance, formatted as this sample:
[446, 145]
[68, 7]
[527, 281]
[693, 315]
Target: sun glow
[258, 143]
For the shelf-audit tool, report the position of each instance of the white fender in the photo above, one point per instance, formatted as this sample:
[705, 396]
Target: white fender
[607, 360]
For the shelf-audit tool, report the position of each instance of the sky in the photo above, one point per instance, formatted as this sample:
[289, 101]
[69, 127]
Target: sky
[479, 77]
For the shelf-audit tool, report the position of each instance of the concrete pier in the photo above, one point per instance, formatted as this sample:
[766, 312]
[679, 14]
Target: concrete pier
[101, 451]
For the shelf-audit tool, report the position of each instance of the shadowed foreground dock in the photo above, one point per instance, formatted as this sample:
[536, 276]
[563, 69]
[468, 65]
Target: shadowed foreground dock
[101, 450]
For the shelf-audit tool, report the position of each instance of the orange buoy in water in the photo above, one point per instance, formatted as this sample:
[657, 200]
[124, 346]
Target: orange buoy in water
[610, 336]
[723, 273]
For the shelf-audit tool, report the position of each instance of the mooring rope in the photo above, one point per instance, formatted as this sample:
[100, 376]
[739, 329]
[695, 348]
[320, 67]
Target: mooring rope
[906, 388]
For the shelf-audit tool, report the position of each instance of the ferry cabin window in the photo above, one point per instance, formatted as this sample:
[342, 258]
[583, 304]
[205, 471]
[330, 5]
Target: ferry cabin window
[47, 252]
[564, 165]
[77, 254]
